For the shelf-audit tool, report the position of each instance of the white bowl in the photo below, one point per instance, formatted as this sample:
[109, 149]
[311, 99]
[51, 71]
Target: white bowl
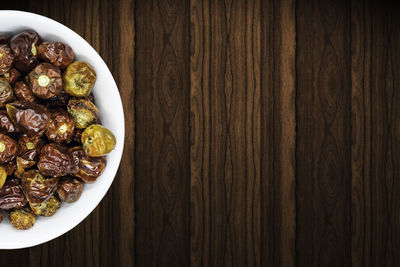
[111, 113]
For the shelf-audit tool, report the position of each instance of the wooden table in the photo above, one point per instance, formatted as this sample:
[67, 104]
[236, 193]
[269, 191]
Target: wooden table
[257, 133]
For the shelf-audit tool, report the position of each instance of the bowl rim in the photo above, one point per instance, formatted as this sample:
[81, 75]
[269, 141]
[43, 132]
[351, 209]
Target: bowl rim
[117, 158]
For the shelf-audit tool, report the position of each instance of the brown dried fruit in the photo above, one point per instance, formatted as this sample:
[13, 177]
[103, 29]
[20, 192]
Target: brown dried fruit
[31, 118]
[22, 165]
[61, 127]
[8, 148]
[55, 161]
[11, 77]
[10, 167]
[87, 168]
[23, 46]
[6, 59]
[6, 125]
[29, 148]
[45, 81]
[38, 189]
[57, 53]
[70, 189]
[23, 92]
[11, 195]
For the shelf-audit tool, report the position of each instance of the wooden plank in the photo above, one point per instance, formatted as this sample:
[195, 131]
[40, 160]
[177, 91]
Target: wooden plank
[385, 96]
[284, 132]
[162, 133]
[123, 188]
[225, 126]
[323, 136]
[269, 248]
[278, 111]
[361, 133]
[200, 219]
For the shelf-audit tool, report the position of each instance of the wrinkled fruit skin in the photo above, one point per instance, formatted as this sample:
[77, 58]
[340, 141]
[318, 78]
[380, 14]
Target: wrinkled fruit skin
[29, 148]
[38, 189]
[87, 168]
[79, 79]
[6, 59]
[23, 92]
[45, 81]
[11, 195]
[6, 124]
[61, 127]
[8, 148]
[23, 46]
[10, 167]
[97, 140]
[47, 208]
[83, 111]
[58, 101]
[6, 93]
[12, 76]
[57, 53]
[22, 165]
[31, 118]
[55, 161]
[22, 219]
[70, 189]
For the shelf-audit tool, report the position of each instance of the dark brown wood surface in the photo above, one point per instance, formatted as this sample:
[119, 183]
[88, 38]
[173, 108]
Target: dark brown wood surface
[258, 133]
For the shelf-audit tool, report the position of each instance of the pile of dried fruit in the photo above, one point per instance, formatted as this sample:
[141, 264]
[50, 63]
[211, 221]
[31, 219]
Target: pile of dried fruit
[51, 138]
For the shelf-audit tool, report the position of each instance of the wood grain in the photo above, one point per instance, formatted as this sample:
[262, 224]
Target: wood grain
[361, 133]
[279, 134]
[162, 133]
[385, 136]
[324, 128]
[258, 133]
[225, 126]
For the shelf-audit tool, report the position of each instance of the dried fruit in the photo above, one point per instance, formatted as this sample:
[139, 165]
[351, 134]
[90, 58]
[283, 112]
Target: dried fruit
[22, 219]
[8, 148]
[55, 161]
[47, 208]
[57, 53]
[87, 168]
[11, 195]
[97, 140]
[38, 189]
[31, 118]
[61, 127]
[70, 189]
[23, 46]
[79, 79]
[83, 111]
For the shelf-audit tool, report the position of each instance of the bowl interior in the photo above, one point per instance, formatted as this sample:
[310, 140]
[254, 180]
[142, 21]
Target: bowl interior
[108, 101]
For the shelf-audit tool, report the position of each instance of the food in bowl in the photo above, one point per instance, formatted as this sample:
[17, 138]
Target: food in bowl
[51, 138]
